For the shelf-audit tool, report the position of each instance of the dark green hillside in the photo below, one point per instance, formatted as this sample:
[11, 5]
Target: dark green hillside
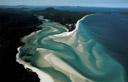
[20, 20]
[63, 17]
[13, 26]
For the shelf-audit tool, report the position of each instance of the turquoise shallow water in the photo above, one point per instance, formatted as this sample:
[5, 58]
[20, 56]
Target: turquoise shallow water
[95, 51]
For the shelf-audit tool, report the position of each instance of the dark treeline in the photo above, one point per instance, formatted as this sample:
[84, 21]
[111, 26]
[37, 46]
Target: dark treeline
[63, 17]
[15, 19]
[14, 24]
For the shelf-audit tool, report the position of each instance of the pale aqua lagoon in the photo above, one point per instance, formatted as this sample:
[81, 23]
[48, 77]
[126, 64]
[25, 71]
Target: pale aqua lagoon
[95, 51]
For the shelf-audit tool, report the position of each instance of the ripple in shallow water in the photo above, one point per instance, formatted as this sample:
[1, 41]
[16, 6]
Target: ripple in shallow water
[87, 54]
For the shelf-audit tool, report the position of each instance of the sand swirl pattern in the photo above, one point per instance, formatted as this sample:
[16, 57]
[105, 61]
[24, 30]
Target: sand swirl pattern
[86, 54]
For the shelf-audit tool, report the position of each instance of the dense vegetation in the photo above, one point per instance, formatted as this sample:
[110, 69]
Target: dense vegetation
[63, 17]
[14, 25]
